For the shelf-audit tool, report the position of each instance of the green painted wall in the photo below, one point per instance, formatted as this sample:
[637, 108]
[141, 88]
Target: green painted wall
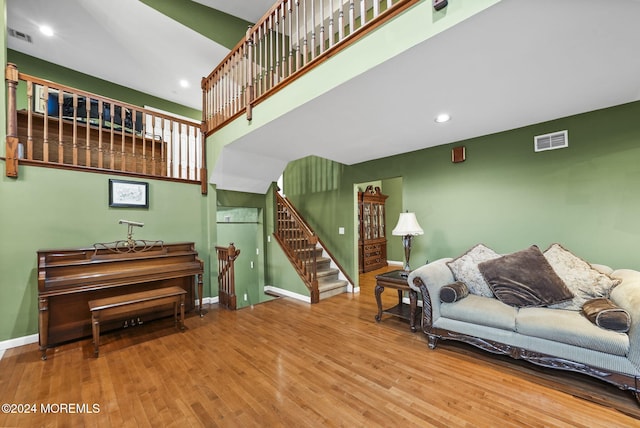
[393, 207]
[47, 208]
[504, 195]
[47, 70]
[222, 28]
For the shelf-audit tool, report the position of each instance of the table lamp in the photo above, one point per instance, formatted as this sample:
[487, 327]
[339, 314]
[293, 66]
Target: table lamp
[407, 227]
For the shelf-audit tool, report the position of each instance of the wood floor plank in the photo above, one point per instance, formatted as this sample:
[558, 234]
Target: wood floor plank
[286, 363]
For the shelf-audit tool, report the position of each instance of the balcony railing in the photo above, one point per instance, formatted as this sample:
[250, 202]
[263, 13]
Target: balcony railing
[64, 127]
[293, 37]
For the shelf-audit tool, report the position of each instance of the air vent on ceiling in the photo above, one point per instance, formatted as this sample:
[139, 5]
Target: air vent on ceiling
[555, 140]
[19, 35]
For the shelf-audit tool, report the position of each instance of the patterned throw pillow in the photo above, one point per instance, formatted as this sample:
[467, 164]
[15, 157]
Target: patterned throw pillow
[580, 277]
[465, 269]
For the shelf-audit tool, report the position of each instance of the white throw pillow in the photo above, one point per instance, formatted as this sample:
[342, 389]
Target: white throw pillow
[580, 277]
[465, 269]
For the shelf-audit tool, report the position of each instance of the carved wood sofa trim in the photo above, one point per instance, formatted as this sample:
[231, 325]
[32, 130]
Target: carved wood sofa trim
[622, 381]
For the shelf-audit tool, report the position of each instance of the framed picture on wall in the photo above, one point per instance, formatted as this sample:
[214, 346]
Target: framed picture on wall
[128, 194]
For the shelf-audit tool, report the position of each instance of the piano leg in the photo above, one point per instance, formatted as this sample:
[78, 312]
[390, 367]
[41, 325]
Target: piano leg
[95, 328]
[43, 325]
[200, 295]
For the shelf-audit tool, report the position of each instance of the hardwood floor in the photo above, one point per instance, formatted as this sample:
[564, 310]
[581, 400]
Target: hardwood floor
[287, 363]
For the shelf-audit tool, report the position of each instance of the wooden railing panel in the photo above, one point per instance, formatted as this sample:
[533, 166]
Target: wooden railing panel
[64, 126]
[299, 244]
[293, 37]
[226, 276]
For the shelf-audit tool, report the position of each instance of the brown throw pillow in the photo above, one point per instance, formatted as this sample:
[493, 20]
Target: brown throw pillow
[453, 292]
[524, 278]
[604, 313]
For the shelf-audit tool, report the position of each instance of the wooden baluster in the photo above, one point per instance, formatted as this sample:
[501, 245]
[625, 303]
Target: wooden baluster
[100, 126]
[112, 153]
[249, 59]
[164, 164]
[363, 13]
[272, 60]
[153, 144]
[283, 30]
[134, 156]
[276, 46]
[87, 155]
[376, 8]
[60, 129]
[389, 4]
[258, 62]
[75, 130]
[341, 24]
[305, 31]
[322, 35]
[45, 127]
[351, 16]
[179, 149]
[291, 41]
[123, 156]
[171, 153]
[30, 119]
[297, 28]
[188, 154]
[331, 30]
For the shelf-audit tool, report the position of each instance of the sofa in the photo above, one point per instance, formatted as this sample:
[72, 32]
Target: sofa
[550, 308]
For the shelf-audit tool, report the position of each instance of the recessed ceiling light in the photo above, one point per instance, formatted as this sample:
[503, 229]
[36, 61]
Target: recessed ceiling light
[184, 83]
[46, 30]
[443, 117]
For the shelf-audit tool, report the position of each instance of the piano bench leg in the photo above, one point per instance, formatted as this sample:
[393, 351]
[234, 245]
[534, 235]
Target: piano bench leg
[95, 327]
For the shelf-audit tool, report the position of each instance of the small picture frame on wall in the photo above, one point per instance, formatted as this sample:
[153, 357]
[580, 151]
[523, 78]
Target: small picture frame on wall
[128, 194]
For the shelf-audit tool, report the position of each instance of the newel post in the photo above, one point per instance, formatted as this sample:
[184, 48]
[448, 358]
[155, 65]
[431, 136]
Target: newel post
[11, 76]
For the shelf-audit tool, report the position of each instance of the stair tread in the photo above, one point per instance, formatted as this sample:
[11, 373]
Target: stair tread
[330, 285]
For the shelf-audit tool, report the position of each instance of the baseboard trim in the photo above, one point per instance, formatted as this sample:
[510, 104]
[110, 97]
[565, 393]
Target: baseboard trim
[18, 341]
[286, 293]
[33, 338]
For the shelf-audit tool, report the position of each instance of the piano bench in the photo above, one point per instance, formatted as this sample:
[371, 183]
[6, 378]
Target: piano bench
[117, 306]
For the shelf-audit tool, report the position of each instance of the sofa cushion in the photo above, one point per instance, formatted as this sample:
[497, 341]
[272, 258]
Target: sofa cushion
[453, 292]
[570, 327]
[482, 311]
[465, 269]
[580, 277]
[524, 278]
[605, 314]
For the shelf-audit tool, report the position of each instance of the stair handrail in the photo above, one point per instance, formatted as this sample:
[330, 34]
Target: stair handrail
[299, 245]
[292, 38]
[226, 275]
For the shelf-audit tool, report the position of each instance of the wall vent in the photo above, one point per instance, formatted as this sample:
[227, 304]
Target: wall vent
[555, 140]
[19, 35]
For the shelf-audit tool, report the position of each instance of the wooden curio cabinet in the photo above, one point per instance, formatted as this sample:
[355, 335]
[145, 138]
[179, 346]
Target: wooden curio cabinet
[372, 240]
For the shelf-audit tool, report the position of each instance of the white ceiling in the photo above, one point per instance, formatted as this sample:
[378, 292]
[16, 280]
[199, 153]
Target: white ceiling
[517, 63]
[125, 42]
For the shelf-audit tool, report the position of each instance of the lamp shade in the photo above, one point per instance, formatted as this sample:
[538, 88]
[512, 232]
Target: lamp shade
[407, 225]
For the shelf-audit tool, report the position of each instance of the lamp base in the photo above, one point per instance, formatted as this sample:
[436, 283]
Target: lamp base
[406, 243]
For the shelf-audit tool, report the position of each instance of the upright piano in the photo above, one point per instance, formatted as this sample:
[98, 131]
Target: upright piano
[69, 278]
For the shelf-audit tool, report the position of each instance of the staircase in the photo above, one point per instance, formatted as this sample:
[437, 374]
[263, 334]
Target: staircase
[322, 275]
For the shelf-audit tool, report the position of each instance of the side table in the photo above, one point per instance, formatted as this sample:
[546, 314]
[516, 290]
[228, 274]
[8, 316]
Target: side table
[395, 280]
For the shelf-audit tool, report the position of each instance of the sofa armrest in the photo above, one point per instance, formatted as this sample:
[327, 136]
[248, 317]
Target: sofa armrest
[428, 280]
[627, 296]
